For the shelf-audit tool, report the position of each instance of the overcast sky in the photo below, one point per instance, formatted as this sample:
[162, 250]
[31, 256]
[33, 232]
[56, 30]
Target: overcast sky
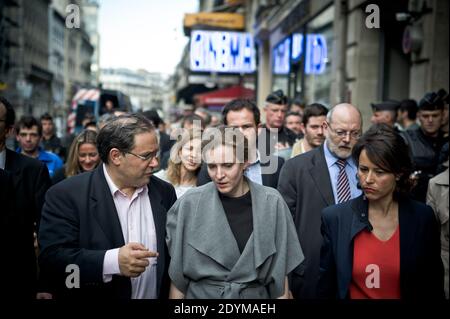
[145, 34]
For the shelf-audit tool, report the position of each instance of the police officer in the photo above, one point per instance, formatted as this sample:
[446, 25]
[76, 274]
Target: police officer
[426, 142]
[385, 112]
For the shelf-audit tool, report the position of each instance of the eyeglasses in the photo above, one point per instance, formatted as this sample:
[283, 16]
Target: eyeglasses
[341, 133]
[148, 157]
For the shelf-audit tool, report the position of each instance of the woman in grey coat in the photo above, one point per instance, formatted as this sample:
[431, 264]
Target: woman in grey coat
[230, 238]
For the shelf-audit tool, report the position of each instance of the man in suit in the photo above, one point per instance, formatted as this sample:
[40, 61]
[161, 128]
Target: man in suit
[264, 169]
[30, 181]
[314, 180]
[108, 225]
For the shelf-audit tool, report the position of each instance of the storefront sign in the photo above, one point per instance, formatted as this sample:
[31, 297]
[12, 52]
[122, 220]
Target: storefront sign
[316, 55]
[215, 19]
[281, 55]
[219, 51]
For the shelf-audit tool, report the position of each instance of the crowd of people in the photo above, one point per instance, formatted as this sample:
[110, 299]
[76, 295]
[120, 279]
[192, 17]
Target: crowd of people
[307, 205]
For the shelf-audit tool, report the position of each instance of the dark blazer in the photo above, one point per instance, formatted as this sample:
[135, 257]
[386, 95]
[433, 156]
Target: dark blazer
[270, 180]
[30, 180]
[421, 270]
[10, 224]
[80, 223]
[306, 187]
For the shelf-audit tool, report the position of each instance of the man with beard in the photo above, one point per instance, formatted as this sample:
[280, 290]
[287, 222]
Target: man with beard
[312, 128]
[317, 179]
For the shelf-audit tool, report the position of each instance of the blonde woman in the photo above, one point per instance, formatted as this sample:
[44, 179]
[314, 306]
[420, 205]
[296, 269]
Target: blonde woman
[83, 157]
[184, 163]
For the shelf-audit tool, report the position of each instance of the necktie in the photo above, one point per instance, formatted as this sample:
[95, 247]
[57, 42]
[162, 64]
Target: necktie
[343, 186]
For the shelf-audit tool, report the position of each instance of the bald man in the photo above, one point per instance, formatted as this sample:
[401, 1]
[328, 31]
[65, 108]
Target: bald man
[317, 179]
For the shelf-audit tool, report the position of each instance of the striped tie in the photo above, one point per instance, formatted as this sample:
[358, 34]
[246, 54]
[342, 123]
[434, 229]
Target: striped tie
[343, 187]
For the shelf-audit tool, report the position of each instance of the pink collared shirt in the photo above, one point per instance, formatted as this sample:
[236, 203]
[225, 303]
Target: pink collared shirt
[136, 220]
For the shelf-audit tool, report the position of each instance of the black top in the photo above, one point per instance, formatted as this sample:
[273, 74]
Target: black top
[239, 215]
[425, 151]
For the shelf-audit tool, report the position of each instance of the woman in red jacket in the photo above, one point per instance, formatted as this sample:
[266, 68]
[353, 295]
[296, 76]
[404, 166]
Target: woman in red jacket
[381, 245]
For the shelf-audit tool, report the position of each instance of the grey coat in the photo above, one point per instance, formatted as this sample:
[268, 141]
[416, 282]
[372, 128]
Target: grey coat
[437, 198]
[205, 258]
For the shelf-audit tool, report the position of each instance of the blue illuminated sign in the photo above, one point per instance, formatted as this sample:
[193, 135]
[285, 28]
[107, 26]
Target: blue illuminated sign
[297, 46]
[316, 56]
[220, 51]
[281, 54]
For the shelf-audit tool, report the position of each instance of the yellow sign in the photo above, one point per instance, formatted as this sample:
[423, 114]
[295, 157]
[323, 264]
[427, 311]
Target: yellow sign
[3, 86]
[215, 19]
[234, 2]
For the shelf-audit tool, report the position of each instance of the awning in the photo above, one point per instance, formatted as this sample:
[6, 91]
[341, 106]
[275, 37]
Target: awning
[221, 97]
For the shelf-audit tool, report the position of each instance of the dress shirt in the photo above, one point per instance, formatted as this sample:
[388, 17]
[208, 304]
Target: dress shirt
[136, 220]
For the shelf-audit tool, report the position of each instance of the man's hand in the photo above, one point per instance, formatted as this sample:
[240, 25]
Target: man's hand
[133, 259]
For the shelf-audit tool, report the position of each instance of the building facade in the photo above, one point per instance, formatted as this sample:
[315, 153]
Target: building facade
[146, 89]
[350, 51]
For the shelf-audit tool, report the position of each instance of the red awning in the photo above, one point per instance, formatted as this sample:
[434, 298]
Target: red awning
[223, 96]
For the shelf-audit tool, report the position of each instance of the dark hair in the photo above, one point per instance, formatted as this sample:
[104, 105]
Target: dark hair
[315, 109]
[153, 116]
[411, 107]
[292, 114]
[239, 104]
[433, 101]
[90, 123]
[28, 121]
[388, 150]
[277, 97]
[10, 113]
[46, 116]
[119, 133]
[191, 118]
[298, 101]
[206, 116]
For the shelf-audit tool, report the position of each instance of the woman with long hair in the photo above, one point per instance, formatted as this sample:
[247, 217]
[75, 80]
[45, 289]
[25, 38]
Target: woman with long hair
[83, 156]
[184, 162]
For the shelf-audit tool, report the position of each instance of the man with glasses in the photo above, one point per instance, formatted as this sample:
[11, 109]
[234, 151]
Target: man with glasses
[110, 222]
[316, 179]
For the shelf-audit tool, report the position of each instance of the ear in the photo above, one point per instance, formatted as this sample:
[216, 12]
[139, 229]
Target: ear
[303, 128]
[245, 165]
[115, 156]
